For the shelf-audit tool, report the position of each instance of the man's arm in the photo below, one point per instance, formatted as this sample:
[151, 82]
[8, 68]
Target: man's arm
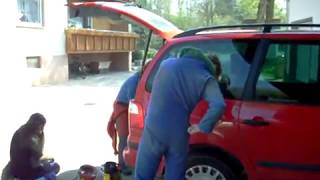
[213, 96]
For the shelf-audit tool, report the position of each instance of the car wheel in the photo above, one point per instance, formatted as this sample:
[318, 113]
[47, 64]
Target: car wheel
[208, 168]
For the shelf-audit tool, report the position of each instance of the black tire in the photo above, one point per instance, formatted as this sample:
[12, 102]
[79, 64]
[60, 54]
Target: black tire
[199, 166]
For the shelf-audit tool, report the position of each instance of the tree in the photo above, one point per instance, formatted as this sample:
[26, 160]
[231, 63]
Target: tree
[247, 9]
[224, 7]
[260, 10]
[192, 14]
[180, 7]
[216, 12]
[265, 11]
[205, 11]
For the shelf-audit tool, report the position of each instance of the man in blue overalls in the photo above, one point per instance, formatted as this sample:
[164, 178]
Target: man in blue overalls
[118, 122]
[179, 85]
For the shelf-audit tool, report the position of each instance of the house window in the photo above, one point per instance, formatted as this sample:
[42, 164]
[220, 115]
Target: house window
[34, 62]
[30, 13]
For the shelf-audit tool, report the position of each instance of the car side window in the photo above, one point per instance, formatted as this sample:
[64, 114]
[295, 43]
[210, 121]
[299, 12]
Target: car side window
[290, 74]
[235, 58]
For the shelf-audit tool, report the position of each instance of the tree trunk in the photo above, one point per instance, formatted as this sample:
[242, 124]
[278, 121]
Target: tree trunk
[180, 6]
[270, 11]
[261, 11]
[265, 11]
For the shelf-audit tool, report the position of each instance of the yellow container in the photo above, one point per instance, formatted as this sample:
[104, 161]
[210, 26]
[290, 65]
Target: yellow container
[115, 177]
[106, 177]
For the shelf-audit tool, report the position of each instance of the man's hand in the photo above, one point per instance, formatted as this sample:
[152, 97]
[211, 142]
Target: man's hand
[194, 128]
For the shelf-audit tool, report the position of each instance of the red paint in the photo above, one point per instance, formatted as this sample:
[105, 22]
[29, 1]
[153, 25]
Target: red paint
[290, 137]
[296, 145]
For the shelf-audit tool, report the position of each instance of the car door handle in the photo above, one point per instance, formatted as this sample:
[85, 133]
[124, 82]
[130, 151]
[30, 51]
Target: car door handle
[256, 121]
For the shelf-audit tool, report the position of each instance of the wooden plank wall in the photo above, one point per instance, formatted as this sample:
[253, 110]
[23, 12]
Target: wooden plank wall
[81, 41]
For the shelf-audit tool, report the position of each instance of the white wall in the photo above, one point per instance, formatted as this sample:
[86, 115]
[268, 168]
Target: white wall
[9, 42]
[48, 40]
[19, 42]
[301, 9]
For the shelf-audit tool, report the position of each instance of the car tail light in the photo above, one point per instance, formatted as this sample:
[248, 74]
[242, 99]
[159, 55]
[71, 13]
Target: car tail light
[136, 115]
[133, 109]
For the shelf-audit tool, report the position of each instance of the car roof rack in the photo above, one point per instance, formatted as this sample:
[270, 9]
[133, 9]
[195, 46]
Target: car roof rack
[266, 28]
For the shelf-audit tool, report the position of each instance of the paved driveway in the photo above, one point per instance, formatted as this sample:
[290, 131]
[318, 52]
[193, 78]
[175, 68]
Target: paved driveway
[77, 113]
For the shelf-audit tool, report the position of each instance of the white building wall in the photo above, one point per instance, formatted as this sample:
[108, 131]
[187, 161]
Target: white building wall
[9, 57]
[48, 42]
[50, 38]
[301, 9]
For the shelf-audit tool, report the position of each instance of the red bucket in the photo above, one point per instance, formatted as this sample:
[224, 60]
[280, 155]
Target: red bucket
[87, 172]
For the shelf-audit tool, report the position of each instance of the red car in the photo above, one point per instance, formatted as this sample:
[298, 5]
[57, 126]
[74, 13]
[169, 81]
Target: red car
[271, 85]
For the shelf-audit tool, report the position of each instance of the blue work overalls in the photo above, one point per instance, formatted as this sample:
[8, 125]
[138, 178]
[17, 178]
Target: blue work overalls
[177, 88]
[128, 89]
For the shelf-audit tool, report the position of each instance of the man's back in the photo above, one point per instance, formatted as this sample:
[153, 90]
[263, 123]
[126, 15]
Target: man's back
[128, 89]
[178, 87]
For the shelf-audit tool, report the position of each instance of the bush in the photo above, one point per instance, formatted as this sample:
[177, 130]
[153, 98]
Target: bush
[151, 53]
[137, 55]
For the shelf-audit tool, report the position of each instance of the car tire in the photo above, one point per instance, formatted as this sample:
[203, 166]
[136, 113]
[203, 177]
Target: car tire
[206, 167]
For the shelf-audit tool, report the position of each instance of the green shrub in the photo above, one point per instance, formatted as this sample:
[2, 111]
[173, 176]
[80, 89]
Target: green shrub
[151, 53]
[137, 55]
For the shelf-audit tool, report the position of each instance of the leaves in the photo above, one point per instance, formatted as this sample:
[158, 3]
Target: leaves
[188, 14]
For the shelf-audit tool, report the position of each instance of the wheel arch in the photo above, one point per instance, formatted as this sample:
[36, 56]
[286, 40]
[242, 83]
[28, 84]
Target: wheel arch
[214, 151]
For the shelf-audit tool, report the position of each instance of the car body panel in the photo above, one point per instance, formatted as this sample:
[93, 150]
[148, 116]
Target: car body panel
[277, 154]
[285, 147]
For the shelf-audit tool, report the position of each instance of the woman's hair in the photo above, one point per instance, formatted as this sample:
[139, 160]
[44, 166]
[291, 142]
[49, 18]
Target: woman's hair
[216, 62]
[35, 121]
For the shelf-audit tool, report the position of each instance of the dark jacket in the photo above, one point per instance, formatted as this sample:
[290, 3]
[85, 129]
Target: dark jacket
[25, 153]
